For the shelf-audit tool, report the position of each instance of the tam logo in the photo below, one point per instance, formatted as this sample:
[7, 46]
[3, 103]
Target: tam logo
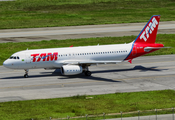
[45, 57]
[149, 29]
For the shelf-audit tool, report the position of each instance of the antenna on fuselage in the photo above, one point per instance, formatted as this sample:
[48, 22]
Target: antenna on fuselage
[27, 48]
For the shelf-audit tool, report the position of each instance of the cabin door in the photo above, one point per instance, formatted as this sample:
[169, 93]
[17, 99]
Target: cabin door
[28, 58]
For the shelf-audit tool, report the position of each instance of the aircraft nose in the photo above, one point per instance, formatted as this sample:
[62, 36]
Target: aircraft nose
[6, 64]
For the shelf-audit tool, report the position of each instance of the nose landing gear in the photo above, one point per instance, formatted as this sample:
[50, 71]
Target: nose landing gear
[26, 74]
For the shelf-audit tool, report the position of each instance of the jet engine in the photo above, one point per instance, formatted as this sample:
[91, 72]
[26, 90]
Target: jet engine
[71, 69]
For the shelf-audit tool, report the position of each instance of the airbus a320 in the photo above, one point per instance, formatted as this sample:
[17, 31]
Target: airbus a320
[76, 60]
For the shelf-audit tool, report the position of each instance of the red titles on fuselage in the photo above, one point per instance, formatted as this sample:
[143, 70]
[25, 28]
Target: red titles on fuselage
[45, 57]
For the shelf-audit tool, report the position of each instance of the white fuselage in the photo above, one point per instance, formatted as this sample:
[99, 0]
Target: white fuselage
[56, 57]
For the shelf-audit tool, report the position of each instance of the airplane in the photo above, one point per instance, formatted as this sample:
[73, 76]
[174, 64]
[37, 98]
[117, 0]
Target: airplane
[75, 60]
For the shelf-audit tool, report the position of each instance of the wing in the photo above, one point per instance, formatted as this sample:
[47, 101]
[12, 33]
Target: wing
[88, 62]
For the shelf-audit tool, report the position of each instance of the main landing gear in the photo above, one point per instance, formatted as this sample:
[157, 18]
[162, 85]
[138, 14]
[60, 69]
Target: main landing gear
[26, 74]
[86, 71]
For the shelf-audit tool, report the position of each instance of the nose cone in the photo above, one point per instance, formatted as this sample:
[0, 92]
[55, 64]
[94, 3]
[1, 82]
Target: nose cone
[6, 64]
[9, 64]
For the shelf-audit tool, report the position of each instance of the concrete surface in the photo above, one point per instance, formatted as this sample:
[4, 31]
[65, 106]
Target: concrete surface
[145, 74]
[87, 31]
[7, 0]
[149, 117]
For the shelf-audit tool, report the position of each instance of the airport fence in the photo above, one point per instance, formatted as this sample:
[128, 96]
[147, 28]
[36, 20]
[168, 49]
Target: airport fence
[156, 114]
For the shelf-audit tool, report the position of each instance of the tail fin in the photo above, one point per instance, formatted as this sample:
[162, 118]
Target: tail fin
[149, 32]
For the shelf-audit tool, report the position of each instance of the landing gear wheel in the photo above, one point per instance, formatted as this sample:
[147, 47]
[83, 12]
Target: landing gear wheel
[26, 73]
[88, 73]
[26, 76]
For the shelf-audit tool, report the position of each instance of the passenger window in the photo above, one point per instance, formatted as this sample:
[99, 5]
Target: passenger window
[17, 57]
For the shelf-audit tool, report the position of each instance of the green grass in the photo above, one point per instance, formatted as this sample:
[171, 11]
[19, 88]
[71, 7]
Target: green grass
[7, 49]
[79, 105]
[50, 13]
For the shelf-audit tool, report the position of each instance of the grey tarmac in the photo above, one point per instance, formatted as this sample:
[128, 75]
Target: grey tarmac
[144, 74]
[149, 117]
[7, 0]
[73, 32]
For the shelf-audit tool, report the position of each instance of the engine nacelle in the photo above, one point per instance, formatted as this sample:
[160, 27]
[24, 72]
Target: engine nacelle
[71, 69]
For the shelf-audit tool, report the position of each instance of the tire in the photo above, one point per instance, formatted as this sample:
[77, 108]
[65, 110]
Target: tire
[88, 73]
[26, 76]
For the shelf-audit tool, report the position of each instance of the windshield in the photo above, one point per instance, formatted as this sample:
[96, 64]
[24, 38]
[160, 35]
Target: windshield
[14, 57]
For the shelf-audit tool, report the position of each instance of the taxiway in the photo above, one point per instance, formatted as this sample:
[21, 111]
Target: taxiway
[73, 32]
[146, 73]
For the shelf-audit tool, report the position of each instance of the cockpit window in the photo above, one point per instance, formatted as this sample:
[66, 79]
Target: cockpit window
[14, 57]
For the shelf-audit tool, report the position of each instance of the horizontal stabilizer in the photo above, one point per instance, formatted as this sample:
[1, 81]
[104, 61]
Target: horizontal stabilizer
[147, 49]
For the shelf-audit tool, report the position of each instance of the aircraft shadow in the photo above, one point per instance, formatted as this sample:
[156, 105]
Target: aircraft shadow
[58, 73]
[141, 68]
[89, 78]
[42, 74]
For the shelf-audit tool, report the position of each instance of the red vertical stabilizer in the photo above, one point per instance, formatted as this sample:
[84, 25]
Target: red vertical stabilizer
[145, 41]
[149, 32]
